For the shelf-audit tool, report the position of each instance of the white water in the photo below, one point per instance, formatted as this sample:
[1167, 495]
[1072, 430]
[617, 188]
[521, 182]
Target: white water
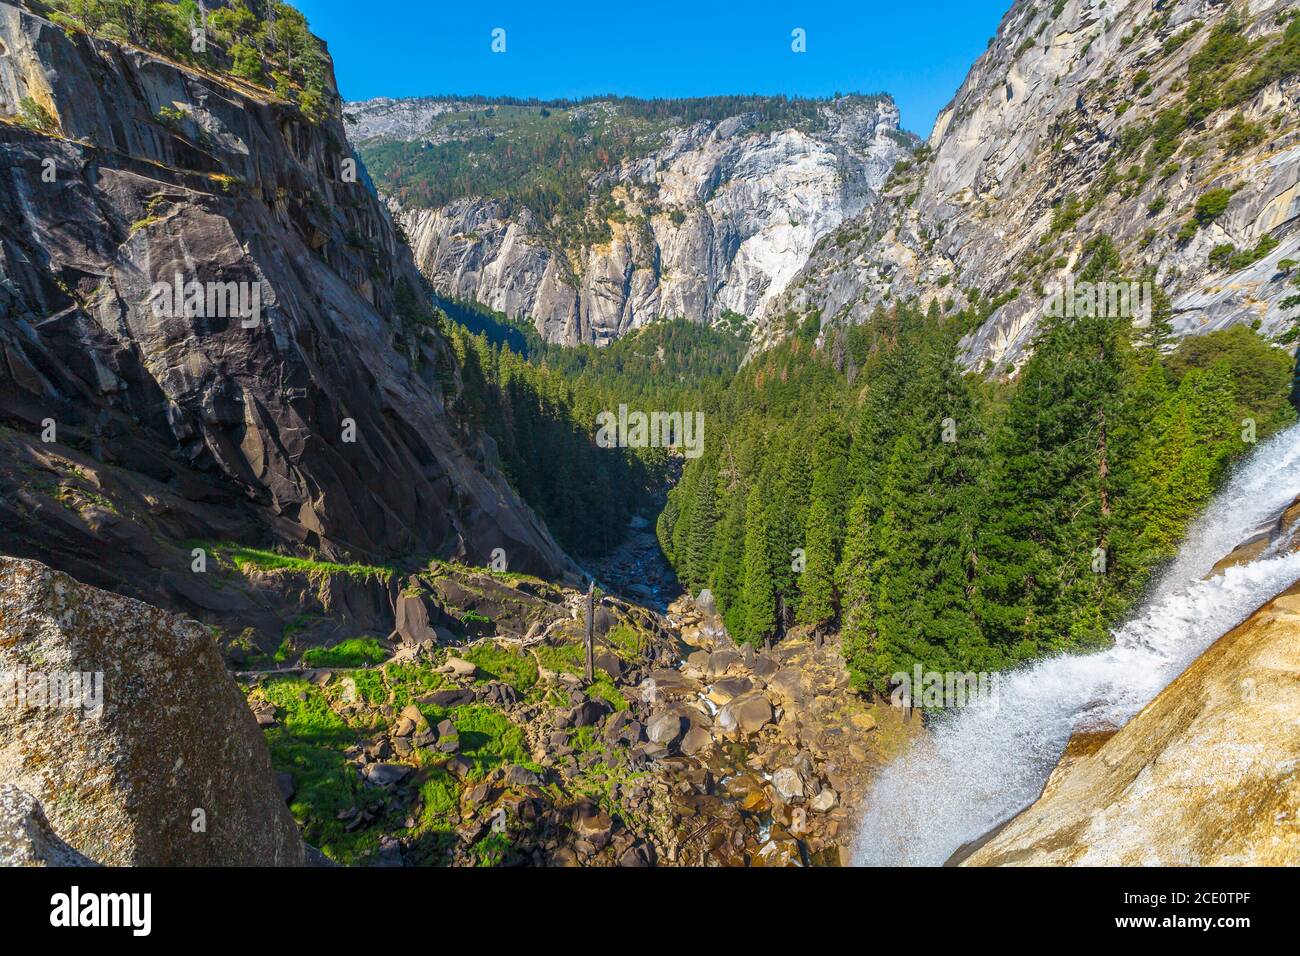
[983, 764]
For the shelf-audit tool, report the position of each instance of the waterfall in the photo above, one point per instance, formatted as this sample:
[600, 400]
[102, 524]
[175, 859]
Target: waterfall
[983, 764]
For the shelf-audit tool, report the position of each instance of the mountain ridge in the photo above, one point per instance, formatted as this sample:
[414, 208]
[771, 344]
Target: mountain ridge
[695, 220]
[1080, 120]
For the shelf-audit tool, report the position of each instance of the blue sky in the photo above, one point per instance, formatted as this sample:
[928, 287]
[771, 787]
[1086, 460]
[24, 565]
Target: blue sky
[917, 50]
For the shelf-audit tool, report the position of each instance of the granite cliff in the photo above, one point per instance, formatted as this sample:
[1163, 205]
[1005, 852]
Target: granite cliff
[699, 220]
[1171, 126]
[313, 417]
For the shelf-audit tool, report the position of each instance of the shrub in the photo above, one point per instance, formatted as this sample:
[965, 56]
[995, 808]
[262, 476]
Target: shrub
[36, 117]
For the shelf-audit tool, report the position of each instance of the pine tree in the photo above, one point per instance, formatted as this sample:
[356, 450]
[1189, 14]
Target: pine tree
[817, 583]
[757, 596]
[855, 585]
[698, 541]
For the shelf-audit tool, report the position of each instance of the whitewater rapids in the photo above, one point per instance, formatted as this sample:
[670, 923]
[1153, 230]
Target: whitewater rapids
[983, 764]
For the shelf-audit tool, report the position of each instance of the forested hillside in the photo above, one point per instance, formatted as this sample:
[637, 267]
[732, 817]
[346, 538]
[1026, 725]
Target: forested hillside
[540, 402]
[956, 522]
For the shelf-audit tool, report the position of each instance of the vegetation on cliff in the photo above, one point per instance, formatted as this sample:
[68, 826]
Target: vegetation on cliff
[259, 41]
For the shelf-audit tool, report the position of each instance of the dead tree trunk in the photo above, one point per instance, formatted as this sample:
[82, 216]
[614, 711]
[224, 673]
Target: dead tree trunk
[589, 639]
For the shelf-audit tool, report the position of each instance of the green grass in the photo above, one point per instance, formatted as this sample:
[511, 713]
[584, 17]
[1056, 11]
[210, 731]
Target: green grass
[488, 738]
[309, 742]
[628, 640]
[256, 559]
[567, 658]
[604, 689]
[408, 681]
[354, 652]
[511, 665]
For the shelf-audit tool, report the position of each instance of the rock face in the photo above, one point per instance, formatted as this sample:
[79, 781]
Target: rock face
[171, 769]
[717, 218]
[1044, 115]
[26, 838]
[320, 422]
[1203, 776]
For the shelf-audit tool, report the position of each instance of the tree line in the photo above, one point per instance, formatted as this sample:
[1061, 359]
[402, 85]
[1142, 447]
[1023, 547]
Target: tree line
[861, 480]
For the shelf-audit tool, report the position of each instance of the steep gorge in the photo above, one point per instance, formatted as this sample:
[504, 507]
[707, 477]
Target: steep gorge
[320, 424]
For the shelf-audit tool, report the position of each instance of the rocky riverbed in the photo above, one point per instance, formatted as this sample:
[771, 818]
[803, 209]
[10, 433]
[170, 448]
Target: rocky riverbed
[684, 748]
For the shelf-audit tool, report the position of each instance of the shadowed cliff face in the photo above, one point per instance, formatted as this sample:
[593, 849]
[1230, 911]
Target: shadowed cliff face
[321, 421]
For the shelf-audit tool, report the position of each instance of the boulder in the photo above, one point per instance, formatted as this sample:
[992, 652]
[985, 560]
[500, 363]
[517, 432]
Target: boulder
[728, 688]
[385, 774]
[788, 683]
[457, 667]
[592, 822]
[26, 837]
[445, 699]
[610, 663]
[696, 740]
[720, 662]
[825, 801]
[588, 713]
[517, 776]
[411, 619]
[747, 714]
[171, 739]
[787, 784]
[448, 737]
[665, 729]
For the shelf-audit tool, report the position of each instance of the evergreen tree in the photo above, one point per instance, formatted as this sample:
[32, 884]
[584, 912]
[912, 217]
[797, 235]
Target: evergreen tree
[817, 583]
[757, 596]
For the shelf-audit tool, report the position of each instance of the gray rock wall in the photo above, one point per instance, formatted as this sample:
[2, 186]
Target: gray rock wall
[237, 432]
